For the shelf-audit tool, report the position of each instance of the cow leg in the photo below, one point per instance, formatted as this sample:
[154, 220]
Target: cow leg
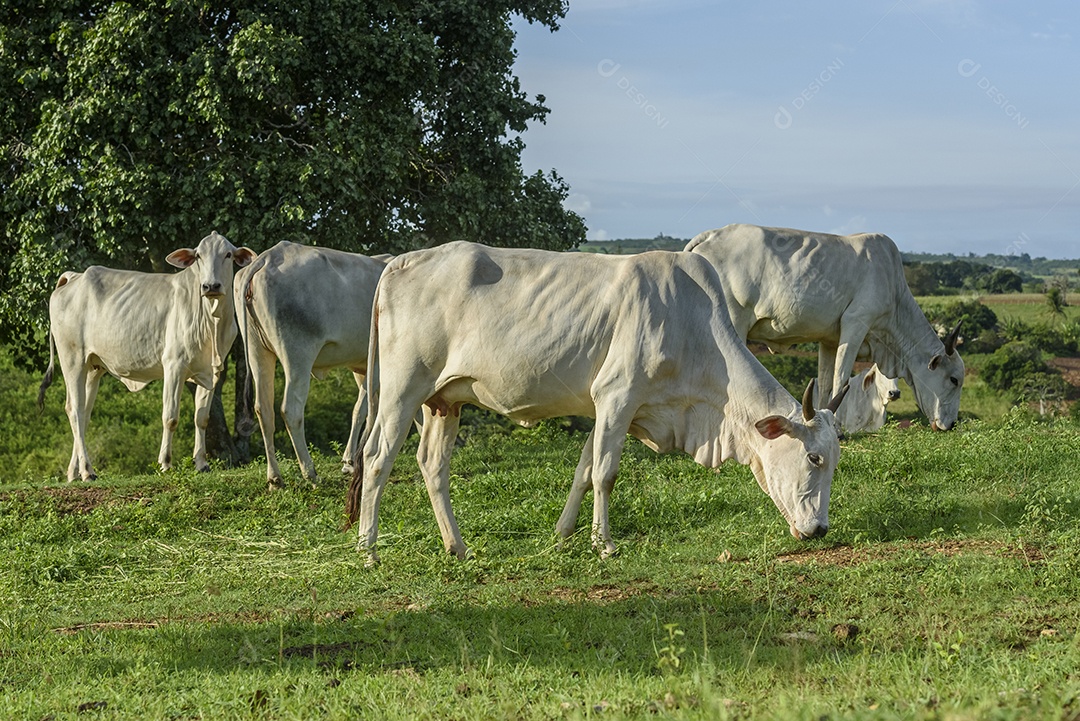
[261, 367]
[81, 389]
[359, 414]
[609, 439]
[297, 386]
[383, 444]
[203, 399]
[170, 414]
[582, 483]
[826, 369]
[436, 444]
[852, 335]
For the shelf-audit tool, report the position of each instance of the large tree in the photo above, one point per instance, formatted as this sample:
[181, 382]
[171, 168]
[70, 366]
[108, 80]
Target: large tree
[131, 128]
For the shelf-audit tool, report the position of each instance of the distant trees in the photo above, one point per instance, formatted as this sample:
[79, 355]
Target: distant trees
[1002, 280]
[933, 278]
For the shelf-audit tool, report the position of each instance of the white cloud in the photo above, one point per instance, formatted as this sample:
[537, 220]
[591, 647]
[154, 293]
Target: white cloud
[578, 203]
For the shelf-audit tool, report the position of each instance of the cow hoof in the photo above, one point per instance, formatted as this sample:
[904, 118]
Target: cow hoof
[372, 560]
[275, 484]
[608, 551]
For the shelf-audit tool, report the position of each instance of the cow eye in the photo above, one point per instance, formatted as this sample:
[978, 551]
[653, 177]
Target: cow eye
[955, 381]
[815, 459]
[228, 255]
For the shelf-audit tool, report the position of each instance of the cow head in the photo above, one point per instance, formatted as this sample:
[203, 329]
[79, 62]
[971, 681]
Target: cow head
[937, 384]
[886, 389]
[796, 463]
[213, 260]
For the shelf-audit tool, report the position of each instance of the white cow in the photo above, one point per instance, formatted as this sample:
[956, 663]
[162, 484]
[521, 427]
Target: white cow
[846, 293]
[640, 343]
[310, 308]
[864, 406]
[141, 327]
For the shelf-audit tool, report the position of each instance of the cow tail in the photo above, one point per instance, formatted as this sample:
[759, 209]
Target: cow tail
[371, 380]
[47, 380]
[245, 424]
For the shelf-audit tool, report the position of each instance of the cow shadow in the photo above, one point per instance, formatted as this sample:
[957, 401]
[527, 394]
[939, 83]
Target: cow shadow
[605, 630]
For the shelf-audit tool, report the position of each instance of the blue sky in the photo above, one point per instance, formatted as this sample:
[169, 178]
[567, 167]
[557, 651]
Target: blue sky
[950, 125]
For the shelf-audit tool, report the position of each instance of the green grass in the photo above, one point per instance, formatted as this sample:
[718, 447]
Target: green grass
[952, 556]
[946, 589]
[1026, 307]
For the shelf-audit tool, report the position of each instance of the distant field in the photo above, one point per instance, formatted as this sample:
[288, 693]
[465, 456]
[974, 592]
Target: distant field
[1028, 307]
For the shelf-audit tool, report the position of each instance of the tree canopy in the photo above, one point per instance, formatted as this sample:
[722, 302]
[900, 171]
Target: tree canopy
[132, 128]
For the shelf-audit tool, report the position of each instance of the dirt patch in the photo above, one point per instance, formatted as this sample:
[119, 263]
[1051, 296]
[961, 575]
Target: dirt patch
[604, 593]
[1069, 368]
[77, 500]
[68, 500]
[105, 626]
[847, 556]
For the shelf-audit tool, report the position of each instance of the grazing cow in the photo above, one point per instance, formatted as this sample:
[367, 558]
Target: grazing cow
[847, 293]
[310, 308]
[864, 406]
[141, 327]
[640, 343]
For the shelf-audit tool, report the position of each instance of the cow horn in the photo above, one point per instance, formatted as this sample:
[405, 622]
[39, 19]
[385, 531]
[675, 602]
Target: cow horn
[808, 401]
[950, 340]
[834, 404]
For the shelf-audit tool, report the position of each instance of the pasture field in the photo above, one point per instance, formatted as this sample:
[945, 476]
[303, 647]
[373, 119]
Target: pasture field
[946, 589]
[1026, 307]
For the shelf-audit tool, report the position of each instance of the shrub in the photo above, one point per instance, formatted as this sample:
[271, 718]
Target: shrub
[1013, 365]
[978, 323]
[1062, 340]
[793, 371]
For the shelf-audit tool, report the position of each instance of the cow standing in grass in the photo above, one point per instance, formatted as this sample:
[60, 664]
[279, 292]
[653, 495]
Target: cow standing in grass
[310, 308]
[640, 343]
[142, 327]
[847, 293]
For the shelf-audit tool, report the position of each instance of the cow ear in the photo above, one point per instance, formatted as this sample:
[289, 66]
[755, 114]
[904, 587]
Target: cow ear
[773, 427]
[181, 258]
[868, 380]
[933, 364]
[243, 256]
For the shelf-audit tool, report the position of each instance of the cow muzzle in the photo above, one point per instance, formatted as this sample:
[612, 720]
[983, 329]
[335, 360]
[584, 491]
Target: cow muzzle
[212, 290]
[816, 531]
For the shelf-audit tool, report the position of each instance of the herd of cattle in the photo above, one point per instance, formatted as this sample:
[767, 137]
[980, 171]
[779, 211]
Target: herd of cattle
[651, 345]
